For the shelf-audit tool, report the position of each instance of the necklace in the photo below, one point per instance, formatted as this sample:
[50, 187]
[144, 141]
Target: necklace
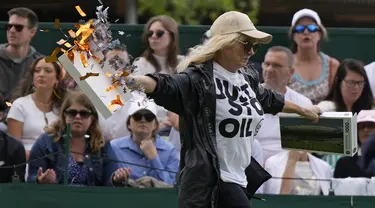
[45, 105]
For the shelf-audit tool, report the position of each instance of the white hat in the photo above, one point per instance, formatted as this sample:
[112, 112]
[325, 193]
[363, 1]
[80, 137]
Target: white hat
[139, 102]
[237, 22]
[306, 13]
[366, 116]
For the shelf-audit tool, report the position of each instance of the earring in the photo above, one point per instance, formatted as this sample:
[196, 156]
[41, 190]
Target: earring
[32, 87]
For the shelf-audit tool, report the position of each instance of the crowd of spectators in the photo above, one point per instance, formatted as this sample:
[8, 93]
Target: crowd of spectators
[39, 98]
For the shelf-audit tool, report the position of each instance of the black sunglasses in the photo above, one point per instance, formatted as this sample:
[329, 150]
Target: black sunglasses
[311, 28]
[18, 28]
[159, 33]
[248, 46]
[72, 113]
[149, 116]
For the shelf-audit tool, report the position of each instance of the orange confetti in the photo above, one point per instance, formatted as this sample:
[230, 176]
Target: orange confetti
[114, 86]
[68, 45]
[56, 24]
[83, 60]
[61, 41]
[53, 56]
[108, 74]
[89, 74]
[116, 101]
[71, 55]
[79, 10]
[72, 34]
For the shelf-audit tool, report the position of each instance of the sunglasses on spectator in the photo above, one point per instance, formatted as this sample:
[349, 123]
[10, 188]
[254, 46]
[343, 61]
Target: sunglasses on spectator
[311, 28]
[353, 83]
[72, 113]
[18, 27]
[248, 46]
[159, 33]
[149, 116]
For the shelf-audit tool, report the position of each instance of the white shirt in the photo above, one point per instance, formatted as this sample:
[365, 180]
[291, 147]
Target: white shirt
[276, 165]
[370, 71]
[269, 135]
[24, 110]
[238, 118]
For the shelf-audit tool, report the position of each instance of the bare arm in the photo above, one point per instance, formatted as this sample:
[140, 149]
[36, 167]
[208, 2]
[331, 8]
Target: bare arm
[15, 128]
[289, 172]
[146, 82]
[290, 107]
[287, 184]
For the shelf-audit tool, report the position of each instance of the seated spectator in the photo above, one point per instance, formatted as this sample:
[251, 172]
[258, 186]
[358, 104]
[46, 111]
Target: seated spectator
[37, 103]
[114, 125]
[314, 70]
[161, 37]
[298, 165]
[3, 115]
[143, 146]
[87, 146]
[351, 92]
[12, 153]
[370, 71]
[277, 70]
[17, 55]
[367, 161]
[349, 166]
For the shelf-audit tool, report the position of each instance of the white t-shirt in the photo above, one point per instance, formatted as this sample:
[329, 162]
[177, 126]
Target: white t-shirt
[24, 110]
[305, 187]
[238, 118]
[370, 71]
[269, 135]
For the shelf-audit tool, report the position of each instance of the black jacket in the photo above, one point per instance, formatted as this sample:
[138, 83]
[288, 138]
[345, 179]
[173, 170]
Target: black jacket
[192, 95]
[12, 153]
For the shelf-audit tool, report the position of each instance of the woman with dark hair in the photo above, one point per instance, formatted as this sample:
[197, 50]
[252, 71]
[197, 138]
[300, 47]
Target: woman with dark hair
[351, 90]
[86, 144]
[314, 70]
[161, 38]
[37, 101]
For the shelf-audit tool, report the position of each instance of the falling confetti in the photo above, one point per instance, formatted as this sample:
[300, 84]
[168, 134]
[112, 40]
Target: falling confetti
[87, 75]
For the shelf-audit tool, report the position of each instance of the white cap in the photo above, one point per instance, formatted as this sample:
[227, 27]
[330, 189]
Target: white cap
[140, 102]
[237, 22]
[306, 13]
[366, 116]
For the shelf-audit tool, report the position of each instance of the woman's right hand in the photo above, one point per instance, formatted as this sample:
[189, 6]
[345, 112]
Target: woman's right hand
[48, 177]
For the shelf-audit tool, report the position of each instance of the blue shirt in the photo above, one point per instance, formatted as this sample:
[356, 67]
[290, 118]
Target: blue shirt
[125, 149]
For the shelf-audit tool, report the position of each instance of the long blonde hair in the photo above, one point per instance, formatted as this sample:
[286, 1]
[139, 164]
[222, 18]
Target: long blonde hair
[207, 50]
[57, 129]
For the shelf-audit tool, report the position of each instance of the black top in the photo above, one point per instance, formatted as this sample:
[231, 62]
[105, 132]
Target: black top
[348, 167]
[12, 153]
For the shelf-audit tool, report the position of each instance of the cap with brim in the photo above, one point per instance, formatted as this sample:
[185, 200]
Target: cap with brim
[138, 102]
[237, 22]
[306, 13]
[366, 116]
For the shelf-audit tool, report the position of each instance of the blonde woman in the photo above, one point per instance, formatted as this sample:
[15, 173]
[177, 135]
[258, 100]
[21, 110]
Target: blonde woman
[86, 168]
[221, 105]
